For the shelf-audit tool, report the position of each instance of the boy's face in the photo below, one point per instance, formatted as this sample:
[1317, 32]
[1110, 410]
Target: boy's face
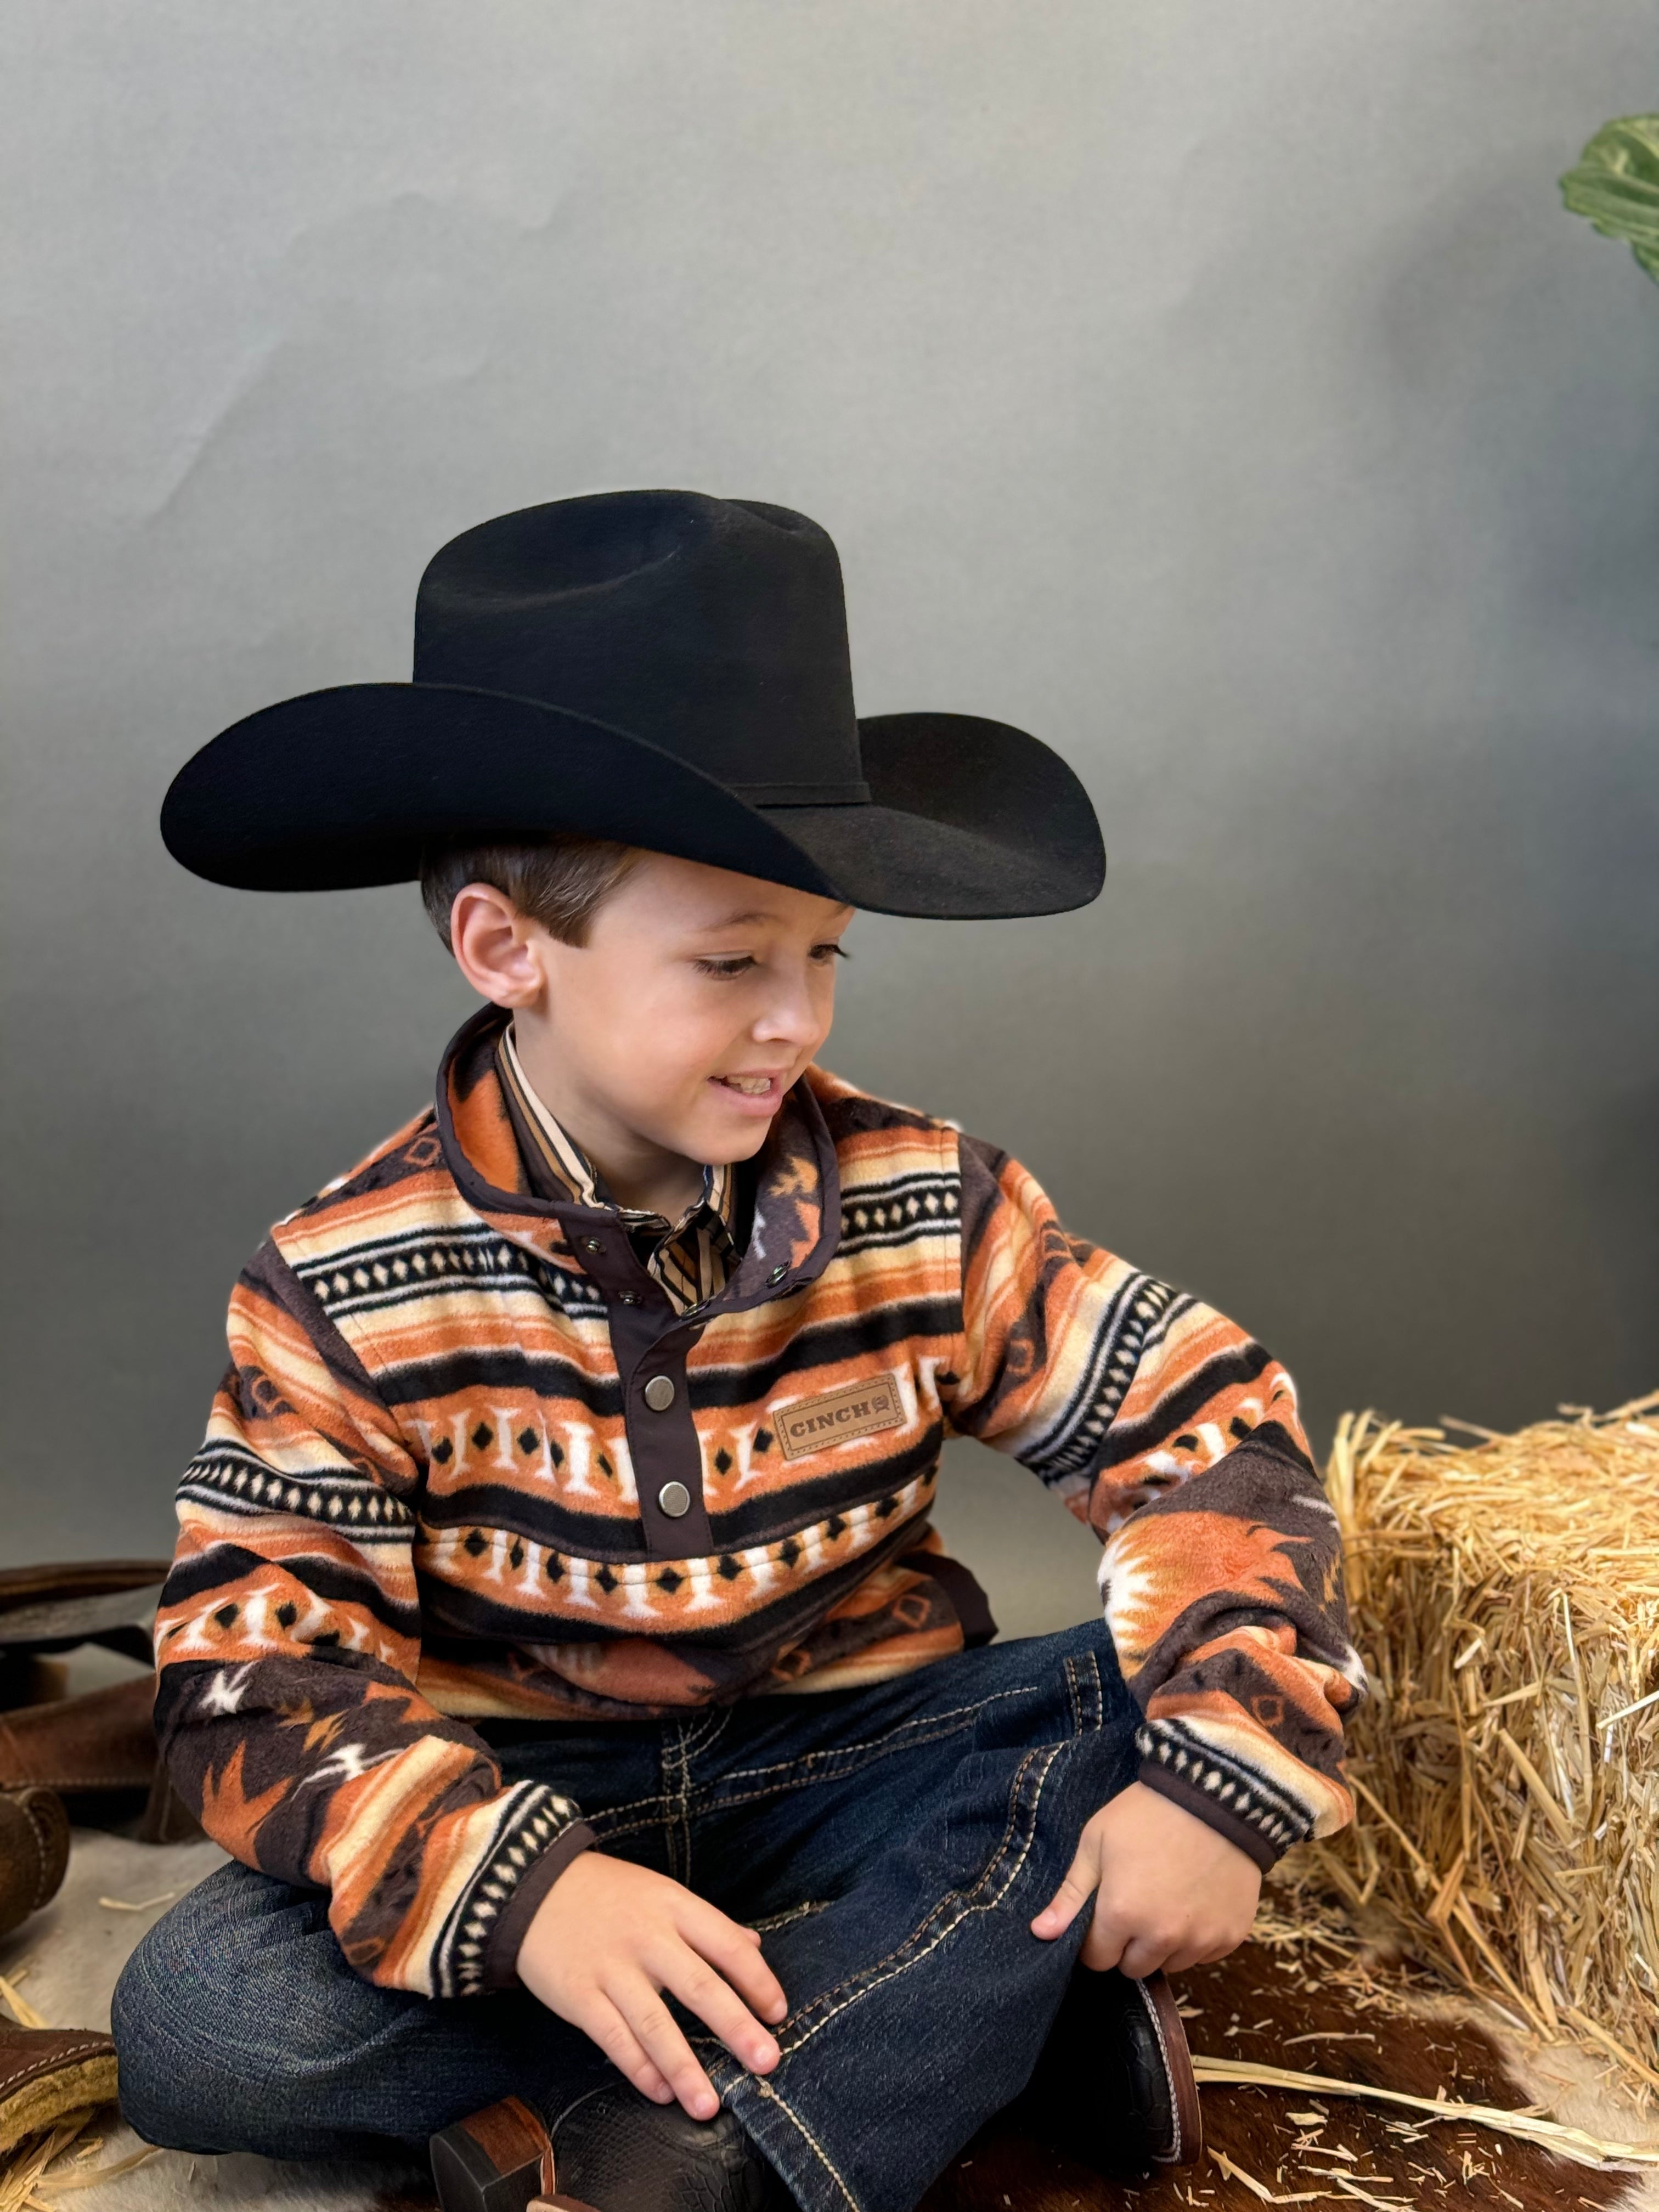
[698, 1001]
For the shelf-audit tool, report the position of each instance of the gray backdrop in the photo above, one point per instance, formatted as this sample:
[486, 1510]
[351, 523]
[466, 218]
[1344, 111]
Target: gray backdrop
[1217, 391]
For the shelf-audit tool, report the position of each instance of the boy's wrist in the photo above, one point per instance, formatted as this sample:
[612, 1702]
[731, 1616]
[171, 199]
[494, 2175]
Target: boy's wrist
[510, 1927]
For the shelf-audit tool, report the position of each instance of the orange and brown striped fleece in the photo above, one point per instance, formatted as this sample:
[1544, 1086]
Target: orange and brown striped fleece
[470, 1459]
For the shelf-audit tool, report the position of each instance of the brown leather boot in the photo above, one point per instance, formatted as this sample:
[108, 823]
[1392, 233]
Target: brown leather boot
[47, 2073]
[1114, 2086]
[500, 2160]
[624, 2152]
[34, 1840]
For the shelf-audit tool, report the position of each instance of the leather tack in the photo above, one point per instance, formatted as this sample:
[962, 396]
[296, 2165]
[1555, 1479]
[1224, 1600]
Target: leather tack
[675, 1499]
[660, 1397]
[34, 1842]
[101, 1740]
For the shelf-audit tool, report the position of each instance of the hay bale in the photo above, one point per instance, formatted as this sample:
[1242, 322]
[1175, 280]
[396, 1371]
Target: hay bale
[1505, 1595]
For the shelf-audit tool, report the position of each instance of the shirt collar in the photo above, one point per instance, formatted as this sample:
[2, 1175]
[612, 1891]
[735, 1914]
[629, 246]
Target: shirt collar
[577, 1172]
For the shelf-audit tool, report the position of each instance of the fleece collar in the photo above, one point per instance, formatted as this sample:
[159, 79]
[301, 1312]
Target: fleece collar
[796, 1220]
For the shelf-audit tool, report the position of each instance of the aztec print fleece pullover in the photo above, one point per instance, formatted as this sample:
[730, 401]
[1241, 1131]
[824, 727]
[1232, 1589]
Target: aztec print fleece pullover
[470, 1461]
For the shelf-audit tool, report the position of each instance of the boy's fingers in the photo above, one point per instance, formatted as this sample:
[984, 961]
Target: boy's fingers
[736, 1952]
[649, 2018]
[622, 2048]
[1152, 1949]
[698, 1987]
[1104, 1945]
[1082, 1880]
[1144, 1956]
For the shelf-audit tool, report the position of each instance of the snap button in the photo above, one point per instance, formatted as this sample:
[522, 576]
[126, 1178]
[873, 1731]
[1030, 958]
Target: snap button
[592, 1244]
[628, 1298]
[674, 1497]
[777, 1275]
[660, 1397]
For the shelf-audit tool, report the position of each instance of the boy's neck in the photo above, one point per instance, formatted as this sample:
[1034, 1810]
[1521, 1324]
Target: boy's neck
[638, 1172]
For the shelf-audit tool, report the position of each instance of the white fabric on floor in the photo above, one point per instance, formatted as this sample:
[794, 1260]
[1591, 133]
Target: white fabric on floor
[70, 1957]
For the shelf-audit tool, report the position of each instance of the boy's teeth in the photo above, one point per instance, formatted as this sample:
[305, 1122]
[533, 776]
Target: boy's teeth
[753, 1084]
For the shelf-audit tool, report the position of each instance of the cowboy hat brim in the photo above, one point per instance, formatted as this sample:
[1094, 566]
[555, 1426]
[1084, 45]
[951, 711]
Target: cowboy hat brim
[346, 787]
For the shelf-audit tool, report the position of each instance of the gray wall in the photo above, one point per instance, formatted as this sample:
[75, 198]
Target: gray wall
[1217, 391]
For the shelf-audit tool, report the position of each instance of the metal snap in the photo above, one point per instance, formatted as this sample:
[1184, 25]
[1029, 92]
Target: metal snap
[628, 1298]
[777, 1275]
[674, 1499]
[592, 1244]
[660, 1397]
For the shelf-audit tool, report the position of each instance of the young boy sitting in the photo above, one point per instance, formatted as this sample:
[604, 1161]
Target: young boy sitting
[620, 1778]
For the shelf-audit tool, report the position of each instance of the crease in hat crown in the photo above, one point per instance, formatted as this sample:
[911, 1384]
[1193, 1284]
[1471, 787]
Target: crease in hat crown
[736, 610]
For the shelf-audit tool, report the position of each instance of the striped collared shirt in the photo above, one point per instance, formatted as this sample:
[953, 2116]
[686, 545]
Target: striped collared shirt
[692, 1258]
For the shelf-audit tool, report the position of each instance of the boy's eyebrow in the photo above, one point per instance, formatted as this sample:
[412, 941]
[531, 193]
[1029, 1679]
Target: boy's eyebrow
[749, 913]
[735, 921]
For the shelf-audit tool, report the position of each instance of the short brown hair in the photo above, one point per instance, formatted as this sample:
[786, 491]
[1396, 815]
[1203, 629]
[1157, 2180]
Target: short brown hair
[561, 881]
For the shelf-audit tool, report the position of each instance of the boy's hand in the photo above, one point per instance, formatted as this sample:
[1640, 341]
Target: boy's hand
[1170, 1890]
[609, 1938]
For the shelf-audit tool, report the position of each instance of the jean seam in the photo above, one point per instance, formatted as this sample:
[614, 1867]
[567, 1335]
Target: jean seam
[770, 1923]
[605, 1829]
[700, 1734]
[872, 1977]
[1088, 1710]
[650, 1808]
[676, 1823]
[877, 1743]
[764, 2088]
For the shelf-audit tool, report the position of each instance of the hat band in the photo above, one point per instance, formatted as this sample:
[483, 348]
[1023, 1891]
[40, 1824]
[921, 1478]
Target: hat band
[801, 794]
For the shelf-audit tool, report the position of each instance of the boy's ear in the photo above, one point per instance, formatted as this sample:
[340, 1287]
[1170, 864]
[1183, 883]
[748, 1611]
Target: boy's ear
[494, 947]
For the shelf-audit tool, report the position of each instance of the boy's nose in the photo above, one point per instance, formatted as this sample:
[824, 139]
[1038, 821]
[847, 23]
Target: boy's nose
[792, 1018]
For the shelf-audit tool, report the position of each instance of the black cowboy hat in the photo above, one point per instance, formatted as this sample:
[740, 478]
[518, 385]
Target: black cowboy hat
[660, 668]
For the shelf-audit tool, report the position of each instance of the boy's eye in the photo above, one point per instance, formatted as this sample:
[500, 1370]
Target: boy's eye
[739, 964]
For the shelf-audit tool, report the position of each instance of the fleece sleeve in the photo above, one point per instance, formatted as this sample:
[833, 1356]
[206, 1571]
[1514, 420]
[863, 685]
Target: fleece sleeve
[288, 1642]
[1176, 1437]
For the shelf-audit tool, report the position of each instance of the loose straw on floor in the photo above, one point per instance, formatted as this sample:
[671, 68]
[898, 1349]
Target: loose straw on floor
[1528, 2123]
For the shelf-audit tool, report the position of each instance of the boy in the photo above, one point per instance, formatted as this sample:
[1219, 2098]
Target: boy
[622, 1777]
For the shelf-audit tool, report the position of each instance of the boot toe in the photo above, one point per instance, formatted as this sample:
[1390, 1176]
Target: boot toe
[614, 2151]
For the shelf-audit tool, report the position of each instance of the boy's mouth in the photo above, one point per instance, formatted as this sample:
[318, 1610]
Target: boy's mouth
[751, 1086]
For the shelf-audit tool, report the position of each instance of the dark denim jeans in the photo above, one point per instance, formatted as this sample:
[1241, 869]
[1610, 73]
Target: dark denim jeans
[892, 1844]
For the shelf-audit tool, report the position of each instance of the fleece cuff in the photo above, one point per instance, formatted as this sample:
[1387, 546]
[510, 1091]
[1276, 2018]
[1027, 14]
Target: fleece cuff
[1231, 1798]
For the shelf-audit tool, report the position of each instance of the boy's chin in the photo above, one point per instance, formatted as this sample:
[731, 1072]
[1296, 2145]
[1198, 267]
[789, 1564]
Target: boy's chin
[721, 1134]
[718, 1147]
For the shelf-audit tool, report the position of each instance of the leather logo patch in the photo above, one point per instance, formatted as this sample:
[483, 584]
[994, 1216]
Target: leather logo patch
[857, 1409]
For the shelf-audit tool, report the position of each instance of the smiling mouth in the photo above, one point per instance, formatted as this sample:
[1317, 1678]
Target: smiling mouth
[749, 1086]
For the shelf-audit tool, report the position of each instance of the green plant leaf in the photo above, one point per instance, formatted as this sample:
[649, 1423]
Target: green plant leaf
[1615, 185]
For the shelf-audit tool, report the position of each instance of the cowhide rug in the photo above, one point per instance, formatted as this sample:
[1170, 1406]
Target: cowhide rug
[1271, 2002]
